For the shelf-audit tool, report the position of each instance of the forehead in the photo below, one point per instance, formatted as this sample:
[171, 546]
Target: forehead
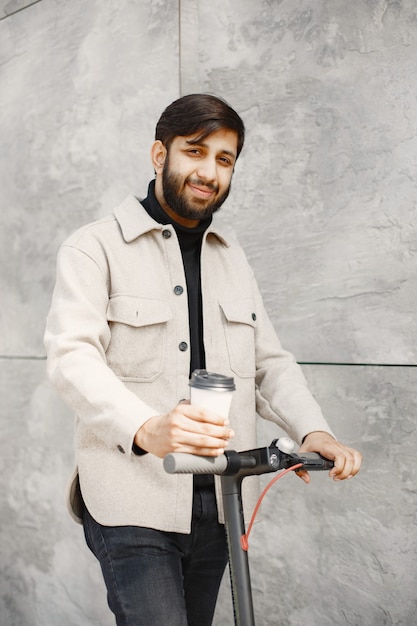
[222, 140]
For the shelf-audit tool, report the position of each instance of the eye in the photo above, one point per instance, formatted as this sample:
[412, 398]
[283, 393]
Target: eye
[225, 161]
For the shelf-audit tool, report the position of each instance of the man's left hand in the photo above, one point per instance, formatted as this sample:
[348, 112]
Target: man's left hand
[347, 461]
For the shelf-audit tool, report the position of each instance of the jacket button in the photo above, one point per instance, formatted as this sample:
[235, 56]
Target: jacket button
[254, 317]
[183, 346]
[178, 290]
[166, 233]
[120, 449]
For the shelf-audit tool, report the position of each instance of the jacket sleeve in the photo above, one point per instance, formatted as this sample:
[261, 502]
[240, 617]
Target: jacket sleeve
[76, 338]
[282, 395]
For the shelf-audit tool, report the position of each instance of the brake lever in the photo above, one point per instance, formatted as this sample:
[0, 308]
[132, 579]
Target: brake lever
[311, 461]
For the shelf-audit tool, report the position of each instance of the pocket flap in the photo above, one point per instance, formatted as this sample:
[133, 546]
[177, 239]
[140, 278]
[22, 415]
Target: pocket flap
[240, 311]
[138, 312]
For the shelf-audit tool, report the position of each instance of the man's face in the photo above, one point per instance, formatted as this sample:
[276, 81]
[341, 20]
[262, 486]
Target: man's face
[196, 176]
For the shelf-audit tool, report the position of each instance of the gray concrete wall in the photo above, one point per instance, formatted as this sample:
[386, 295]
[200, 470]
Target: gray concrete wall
[324, 202]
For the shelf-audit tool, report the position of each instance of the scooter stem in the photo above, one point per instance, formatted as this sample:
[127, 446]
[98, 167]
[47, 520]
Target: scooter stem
[238, 558]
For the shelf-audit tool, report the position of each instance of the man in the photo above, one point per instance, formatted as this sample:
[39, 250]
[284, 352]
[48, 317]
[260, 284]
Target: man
[143, 298]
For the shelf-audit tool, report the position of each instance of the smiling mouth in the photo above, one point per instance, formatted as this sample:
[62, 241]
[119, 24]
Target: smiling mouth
[202, 191]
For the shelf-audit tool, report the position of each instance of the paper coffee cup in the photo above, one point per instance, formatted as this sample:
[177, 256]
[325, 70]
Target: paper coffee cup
[212, 391]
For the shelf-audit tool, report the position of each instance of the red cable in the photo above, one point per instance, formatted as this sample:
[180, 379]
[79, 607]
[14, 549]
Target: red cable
[244, 540]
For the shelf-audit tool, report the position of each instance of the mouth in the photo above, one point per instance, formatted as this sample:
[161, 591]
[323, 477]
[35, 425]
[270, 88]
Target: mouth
[202, 191]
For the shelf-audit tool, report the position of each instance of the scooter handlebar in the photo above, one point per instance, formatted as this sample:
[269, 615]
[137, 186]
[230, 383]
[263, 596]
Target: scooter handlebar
[313, 462]
[183, 463]
[249, 462]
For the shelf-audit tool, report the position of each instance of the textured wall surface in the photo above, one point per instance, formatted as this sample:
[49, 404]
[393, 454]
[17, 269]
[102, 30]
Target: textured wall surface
[328, 91]
[324, 202]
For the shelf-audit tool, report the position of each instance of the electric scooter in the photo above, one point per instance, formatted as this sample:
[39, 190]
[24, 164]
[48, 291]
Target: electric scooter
[233, 467]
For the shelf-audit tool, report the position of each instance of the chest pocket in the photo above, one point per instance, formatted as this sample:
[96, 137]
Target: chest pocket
[239, 321]
[138, 329]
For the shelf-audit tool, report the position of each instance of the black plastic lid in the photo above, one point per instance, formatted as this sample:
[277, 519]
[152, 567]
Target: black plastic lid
[202, 379]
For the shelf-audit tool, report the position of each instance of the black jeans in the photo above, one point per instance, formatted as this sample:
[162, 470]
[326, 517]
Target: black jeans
[158, 578]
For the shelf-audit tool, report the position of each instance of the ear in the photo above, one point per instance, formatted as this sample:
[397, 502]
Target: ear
[158, 156]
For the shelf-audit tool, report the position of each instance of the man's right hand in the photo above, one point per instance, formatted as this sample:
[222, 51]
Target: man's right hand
[187, 428]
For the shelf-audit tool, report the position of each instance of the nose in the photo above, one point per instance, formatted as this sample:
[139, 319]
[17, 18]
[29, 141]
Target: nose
[207, 170]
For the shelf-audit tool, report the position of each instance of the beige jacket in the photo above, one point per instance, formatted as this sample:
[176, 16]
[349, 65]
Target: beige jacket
[117, 341]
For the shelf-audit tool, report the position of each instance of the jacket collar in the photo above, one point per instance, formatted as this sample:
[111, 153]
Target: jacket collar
[134, 222]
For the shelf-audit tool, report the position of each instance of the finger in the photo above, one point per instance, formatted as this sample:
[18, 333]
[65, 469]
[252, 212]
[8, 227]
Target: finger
[341, 469]
[357, 456]
[201, 414]
[344, 465]
[202, 429]
[304, 475]
[355, 461]
[188, 417]
[199, 451]
[199, 440]
[216, 428]
[187, 435]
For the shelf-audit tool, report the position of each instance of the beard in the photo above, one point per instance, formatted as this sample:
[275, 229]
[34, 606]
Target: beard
[173, 186]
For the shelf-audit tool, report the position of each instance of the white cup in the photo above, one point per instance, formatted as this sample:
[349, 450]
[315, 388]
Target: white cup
[212, 391]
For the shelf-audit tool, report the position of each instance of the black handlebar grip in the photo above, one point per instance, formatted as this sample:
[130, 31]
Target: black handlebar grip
[313, 462]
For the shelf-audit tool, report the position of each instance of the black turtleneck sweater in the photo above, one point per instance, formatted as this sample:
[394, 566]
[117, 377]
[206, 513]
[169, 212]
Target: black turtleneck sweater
[190, 240]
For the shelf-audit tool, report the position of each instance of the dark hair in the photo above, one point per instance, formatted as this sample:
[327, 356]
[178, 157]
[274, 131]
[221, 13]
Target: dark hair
[198, 113]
